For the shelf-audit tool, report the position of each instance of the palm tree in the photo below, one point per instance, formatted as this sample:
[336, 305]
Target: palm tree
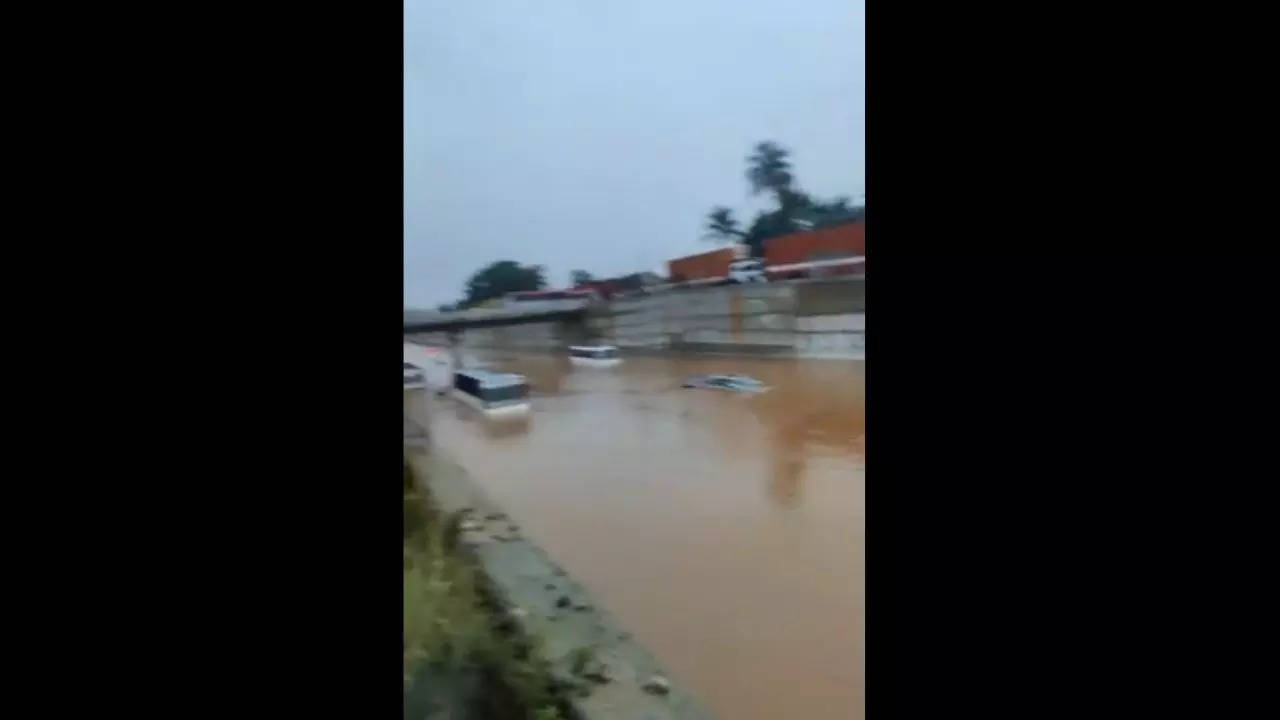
[722, 225]
[768, 169]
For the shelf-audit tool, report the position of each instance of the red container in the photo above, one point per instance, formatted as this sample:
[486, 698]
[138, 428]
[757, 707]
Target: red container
[825, 244]
[701, 266]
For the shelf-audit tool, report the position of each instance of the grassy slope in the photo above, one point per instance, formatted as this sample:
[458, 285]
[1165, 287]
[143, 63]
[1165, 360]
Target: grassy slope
[461, 660]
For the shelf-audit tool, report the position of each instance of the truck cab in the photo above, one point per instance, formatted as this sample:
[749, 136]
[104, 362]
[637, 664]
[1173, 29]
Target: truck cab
[747, 270]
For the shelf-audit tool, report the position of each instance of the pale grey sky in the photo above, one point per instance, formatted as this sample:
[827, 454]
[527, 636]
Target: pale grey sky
[596, 134]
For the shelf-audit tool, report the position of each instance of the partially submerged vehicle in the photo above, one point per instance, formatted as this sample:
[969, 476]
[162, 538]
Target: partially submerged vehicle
[727, 381]
[594, 356]
[414, 378]
[494, 394]
[435, 363]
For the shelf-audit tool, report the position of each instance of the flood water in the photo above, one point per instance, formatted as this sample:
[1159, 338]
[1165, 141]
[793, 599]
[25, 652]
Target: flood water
[726, 531]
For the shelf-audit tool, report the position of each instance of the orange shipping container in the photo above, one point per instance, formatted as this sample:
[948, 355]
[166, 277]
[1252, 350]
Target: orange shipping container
[703, 265]
[825, 244]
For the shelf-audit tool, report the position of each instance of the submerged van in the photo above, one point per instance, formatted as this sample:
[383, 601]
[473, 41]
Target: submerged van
[492, 393]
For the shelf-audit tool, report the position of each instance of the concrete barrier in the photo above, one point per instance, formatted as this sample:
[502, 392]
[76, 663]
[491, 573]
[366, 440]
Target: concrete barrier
[852, 322]
[831, 297]
[831, 345]
[774, 318]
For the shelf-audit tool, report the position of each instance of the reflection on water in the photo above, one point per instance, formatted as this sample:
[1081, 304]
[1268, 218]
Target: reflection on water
[499, 428]
[726, 530]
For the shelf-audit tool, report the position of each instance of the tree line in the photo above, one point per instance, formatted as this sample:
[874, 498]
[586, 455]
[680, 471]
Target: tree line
[507, 276]
[769, 170]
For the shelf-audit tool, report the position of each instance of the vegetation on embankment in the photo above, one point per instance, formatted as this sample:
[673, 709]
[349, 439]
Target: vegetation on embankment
[463, 656]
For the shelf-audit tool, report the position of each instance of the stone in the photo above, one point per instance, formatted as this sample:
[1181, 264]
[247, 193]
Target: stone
[549, 586]
[518, 611]
[562, 601]
[579, 658]
[513, 528]
[470, 525]
[496, 516]
[563, 680]
[624, 636]
[581, 606]
[598, 672]
[657, 685]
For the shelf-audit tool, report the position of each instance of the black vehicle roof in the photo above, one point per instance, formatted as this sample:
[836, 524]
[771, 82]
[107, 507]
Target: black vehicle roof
[490, 378]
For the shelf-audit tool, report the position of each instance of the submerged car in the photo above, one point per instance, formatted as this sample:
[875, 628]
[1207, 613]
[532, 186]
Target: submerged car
[736, 383]
[413, 377]
[594, 356]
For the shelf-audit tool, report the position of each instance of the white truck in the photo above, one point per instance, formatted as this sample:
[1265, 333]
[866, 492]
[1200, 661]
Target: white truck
[747, 270]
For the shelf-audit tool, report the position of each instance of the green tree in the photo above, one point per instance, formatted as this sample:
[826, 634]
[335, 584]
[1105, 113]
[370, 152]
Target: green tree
[768, 225]
[579, 277]
[503, 277]
[835, 212]
[722, 225]
[768, 169]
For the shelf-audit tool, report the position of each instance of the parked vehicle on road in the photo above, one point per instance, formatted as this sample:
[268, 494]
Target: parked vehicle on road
[708, 266]
[546, 298]
[822, 252]
[747, 270]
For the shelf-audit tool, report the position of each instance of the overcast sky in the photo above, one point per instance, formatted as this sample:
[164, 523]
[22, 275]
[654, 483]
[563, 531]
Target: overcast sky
[596, 134]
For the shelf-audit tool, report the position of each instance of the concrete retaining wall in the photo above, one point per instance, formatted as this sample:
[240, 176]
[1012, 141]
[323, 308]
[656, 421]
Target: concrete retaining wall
[831, 297]
[807, 319]
[820, 319]
[534, 336]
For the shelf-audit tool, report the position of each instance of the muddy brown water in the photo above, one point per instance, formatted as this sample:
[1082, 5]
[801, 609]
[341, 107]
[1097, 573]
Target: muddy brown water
[727, 531]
